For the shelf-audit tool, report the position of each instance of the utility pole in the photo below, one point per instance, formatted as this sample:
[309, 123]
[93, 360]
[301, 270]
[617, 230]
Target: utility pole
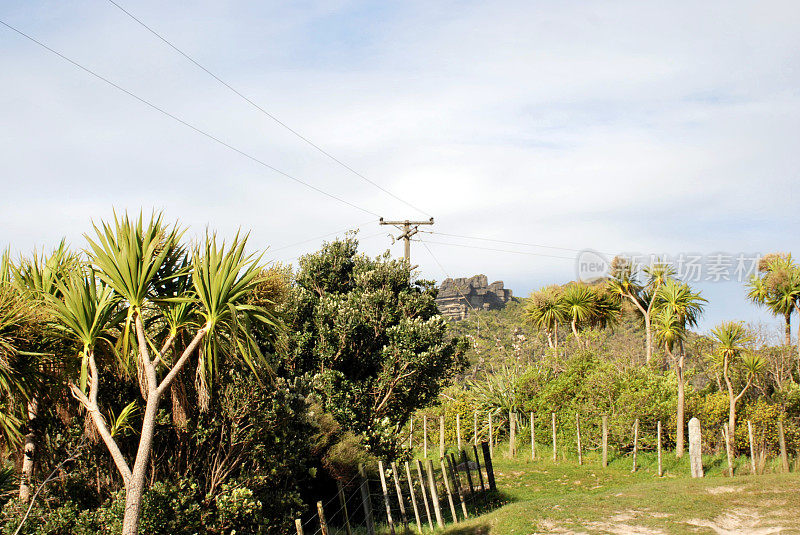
[407, 232]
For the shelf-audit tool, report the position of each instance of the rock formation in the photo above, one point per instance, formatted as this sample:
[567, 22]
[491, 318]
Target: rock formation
[457, 297]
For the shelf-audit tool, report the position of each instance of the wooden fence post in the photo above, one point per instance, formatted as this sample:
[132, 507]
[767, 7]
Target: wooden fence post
[365, 500]
[434, 494]
[635, 442]
[465, 462]
[457, 482]
[413, 498]
[752, 452]
[343, 506]
[728, 450]
[441, 436]
[399, 490]
[411, 433]
[420, 473]
[478, 466]
[533, 441]
[298, 525]
[425, 436]
[458, 431]
[782, 443]
[658, 431]
[491, 437]
[323, 526]
[386, 497]
[447, 489]
[555, 453]
[487, 461]
[578, 437]
[605, 440]
[475, 429]
[512, 434]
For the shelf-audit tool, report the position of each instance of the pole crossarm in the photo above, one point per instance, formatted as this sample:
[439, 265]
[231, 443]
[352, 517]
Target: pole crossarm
[408, 228]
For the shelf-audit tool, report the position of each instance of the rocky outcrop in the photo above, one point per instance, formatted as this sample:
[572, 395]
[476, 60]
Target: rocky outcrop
[457, 297]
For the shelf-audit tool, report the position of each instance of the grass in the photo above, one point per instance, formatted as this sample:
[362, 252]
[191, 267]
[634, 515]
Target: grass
[543, 496]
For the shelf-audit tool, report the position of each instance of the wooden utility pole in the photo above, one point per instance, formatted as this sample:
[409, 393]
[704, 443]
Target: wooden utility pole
[408, 229]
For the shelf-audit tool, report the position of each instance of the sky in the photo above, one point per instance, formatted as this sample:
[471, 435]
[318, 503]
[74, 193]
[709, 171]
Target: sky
[666, 129]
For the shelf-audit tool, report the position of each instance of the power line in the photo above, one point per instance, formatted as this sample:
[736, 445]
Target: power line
[494, 249]
[185, 123]
[262, 110]
[281, 248]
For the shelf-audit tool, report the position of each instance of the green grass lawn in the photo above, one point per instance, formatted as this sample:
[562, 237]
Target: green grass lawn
[543, 496]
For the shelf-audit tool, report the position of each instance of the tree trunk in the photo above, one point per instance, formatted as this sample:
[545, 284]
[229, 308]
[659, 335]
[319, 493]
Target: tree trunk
[680, 417]
[135, 489]
[787, 331]
[575, 331]
[555, 337]
[797, 308]
[29, 452]
[649, 337]
[549, 338]
[731, 400]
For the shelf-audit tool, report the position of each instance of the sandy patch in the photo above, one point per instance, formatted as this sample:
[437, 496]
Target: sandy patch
[723, 490]
[737, 522]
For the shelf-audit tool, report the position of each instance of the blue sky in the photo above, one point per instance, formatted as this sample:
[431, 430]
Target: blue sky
[616, 126]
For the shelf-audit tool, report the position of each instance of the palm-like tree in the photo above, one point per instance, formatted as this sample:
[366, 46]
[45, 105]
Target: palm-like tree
[732, 339]
[130, 287]
[545, 310]
[778, 288]
[625, 283]
[589, 306]
[678, 308]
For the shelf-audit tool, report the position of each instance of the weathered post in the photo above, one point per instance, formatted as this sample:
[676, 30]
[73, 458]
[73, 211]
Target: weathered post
[752, 452]
[457, 482]
[465, 462]
[323, 526]
[512, 434]
[555, 453]
[578, 438]
[458, 431]
[441, 436]
[782, 443]
[420, 473]
[411, 433]
[635, 442]
[487, 461]
[343, 507]
[425, 436]
[605, 440]
[399, 490]
[475, 429]
[491, 437]
[728, 449]
[695, 448]
[434, 494]
[365, 500]
[298, 525]
[478, 466]
[533, 441]
[413, 498]
[386, 497]
[447, 489]
[658, 431]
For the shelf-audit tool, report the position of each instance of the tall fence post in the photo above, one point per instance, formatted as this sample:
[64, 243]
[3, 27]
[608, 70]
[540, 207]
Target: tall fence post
[298, 525]
[487, 461]
[425, 436]
[465, 462]
[458, 430]
[365, 500]
[457, 483]
[441, 436]
[660, 471]
[555, 453]
[635, 442]
[491, 437]
[386, 497]
[447, 489]
[578, 438]
[695, 448]
[475, 429]
[413, 498]
[411, 433]
[420, 473]
[323, 526]
[605, 440]
[752, 451]
[343, 507]
[478, 466]
[399, 490]
[512, 434]
[782, 443]
[533, 440]
[434, 494]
